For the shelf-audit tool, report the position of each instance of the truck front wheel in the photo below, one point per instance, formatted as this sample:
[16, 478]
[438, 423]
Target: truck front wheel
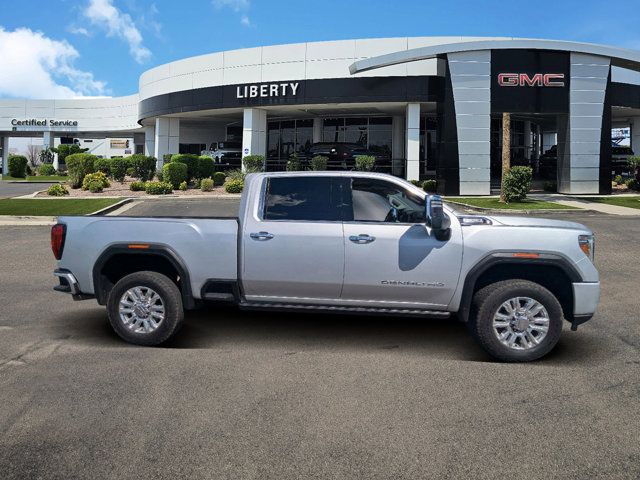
[145, 308]
[516, 320]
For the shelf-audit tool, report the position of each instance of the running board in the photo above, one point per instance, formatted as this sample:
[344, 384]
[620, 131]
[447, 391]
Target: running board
[293, 307]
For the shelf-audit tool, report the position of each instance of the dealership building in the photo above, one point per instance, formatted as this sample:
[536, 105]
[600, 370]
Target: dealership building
[428, 107]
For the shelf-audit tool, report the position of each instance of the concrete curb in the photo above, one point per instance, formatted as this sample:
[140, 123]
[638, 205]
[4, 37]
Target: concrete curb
[15, 220]
[111, 208]
[536, 211]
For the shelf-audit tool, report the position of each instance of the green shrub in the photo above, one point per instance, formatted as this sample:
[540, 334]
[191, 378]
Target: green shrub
[206, 184]
[294, 164]
[319, 162]
[617, 179]
[550, 187]
[143, 167]
[46, 155]
[253, 163]
[632, 184]
[29, 171]
[218, 178]
[166, 158]
[517, 183]
[365, 163]
[46, 169]
[94, 186]
[205, 167]
[67, 149]
[17, 166]
[137, 186]
[236, 174]
[429, 186]
[191, 161]
[174, 173]
[234, 186]
[102, 165]
[633, 163]
[79, 165]
[95, 178]
[158, 188]
[183, 186]
[159, 175]
[57, 190]
[118, 168]
[416, 183]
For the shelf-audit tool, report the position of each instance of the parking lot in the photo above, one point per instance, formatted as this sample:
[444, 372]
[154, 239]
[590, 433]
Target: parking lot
[272, 395]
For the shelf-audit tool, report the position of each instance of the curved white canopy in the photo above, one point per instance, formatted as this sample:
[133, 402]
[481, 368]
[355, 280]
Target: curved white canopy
[620, 57]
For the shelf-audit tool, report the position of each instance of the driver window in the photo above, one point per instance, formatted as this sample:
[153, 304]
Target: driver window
[377, 200]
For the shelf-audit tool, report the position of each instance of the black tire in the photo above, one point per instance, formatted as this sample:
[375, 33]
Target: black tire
[486, 303]
[171, 299]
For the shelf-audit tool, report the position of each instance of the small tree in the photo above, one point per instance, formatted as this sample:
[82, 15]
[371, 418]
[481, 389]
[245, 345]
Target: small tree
[65, 150]
[46, 155]
[634, 166]
[33, 154]
[506, 151]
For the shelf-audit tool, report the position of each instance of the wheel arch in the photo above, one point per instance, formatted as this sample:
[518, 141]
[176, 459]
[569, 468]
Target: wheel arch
[552, 271]
[160, 258]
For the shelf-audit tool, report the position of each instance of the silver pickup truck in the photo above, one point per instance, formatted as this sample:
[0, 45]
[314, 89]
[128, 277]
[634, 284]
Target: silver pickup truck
[338, 242]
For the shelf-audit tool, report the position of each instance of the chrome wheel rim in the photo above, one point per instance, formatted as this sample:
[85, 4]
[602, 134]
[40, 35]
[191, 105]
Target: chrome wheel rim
[521, 323]
[141, 309]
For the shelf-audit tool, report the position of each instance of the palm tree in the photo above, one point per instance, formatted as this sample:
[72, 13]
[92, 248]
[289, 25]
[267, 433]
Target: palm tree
[506, 150]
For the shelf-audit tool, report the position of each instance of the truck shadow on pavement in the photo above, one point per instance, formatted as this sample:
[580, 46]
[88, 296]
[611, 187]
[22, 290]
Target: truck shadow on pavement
[229, 329]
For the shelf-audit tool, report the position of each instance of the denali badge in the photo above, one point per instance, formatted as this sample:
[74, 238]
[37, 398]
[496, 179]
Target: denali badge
[537, 80]
[400, 283]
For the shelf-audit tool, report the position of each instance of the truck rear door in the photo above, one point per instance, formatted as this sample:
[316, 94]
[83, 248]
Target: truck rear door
[293, 248]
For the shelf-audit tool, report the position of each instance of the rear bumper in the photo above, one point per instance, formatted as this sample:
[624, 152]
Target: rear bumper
[69, 284]
[585, 302]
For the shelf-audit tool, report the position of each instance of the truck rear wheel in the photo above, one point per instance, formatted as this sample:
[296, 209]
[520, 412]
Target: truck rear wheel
[516, 320]
[145, 308]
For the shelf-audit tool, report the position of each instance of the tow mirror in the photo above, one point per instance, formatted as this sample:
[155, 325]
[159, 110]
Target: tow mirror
[436, 218]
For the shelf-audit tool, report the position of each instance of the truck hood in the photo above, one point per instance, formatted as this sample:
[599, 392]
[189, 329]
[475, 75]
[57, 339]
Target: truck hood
[536, 222]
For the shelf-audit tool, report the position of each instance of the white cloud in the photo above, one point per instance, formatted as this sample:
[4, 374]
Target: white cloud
[35, 66]
[238, 6]
[103, 14]
[78, 30]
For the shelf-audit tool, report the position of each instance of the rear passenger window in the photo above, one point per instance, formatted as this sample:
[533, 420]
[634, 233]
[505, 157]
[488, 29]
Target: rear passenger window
[302, 198]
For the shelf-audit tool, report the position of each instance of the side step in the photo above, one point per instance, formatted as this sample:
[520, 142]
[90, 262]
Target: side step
[289, 307]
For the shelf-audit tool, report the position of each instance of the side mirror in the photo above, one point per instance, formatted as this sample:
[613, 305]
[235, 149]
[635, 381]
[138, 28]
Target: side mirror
[436, 218]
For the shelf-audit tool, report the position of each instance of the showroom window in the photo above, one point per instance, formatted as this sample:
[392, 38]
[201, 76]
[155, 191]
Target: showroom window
[302, 199]
[285, 138]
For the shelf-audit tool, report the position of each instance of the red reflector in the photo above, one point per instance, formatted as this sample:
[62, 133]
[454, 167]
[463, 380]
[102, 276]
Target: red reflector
[58, 232]
[526, 255]
[138, 246]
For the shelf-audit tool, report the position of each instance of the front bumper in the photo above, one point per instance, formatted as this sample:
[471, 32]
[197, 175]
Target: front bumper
[585, 302]
[69, 284]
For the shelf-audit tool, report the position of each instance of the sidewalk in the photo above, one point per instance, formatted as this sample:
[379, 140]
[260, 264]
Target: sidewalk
[583, 203]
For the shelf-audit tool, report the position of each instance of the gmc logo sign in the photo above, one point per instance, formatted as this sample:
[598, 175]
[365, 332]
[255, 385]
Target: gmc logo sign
[537, 80]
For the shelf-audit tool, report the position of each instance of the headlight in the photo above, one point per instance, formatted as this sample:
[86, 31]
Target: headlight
[587, 245]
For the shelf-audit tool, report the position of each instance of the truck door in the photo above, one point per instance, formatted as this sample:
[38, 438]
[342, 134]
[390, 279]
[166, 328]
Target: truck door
[391, 257]
[293, 248]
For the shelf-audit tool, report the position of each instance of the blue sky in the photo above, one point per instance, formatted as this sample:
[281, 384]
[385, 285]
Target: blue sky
[66, 48]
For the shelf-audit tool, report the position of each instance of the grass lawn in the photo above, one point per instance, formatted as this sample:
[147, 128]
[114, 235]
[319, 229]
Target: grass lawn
[631, 202]
[38, 178]
[494, 203]
[53, 207]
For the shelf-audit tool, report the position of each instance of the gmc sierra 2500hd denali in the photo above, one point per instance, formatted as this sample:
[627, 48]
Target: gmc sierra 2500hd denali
[337, 242]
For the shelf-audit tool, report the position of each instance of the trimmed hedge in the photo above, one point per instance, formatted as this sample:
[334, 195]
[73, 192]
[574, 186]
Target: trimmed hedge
[46, 169]
[191, 161]
[18, 166]
[118, 168]
[158, 188]
[57, 190]
[175, 173]
[517, 183]
[144, 167]
[206, 184]
[78, 166]
[365, 163]
[253, 163]
[102, 165]
[234, 186]
[205, 166]
[429, 186]
[137, 186]
[219, 178]
[95, 182]
[319, 162]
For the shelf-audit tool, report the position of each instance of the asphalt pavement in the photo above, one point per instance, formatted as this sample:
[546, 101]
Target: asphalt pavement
[269, 395]
[15, 189]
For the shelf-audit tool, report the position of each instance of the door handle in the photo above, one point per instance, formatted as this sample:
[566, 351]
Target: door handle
[261, 236]
[362, 238]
